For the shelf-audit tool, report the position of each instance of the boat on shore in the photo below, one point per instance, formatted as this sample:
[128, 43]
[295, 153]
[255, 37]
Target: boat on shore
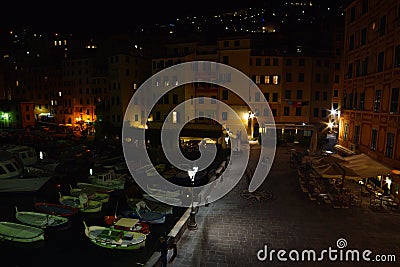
[15, 177]
[57, 209]
[20, 232]
[92, 195]
[153, 206]
[82, 203]
[95, 188]
[128, 224]
[109, 179]
[38, 219]
[112, 238]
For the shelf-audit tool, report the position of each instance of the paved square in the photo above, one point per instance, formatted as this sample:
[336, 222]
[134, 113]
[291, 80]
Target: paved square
[232, 230]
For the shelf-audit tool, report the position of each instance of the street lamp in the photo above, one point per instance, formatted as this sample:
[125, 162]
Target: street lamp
[192, 225]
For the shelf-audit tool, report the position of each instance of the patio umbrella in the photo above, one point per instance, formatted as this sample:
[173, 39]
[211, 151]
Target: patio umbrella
[336, 170]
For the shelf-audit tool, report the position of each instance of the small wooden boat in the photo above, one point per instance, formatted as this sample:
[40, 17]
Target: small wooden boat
[153, 206]
[82, 203]
[92, 195]
[20, 232]
[128, 224]
[95, 188]
[38, 219]
[109, 179]
[144, 214]
[56, 209]
[112, 238]
[171, 200]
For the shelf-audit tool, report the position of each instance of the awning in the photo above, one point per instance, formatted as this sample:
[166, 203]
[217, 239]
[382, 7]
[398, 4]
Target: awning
[344, 150]
[395, 176]
[366, 166]
[336, 171]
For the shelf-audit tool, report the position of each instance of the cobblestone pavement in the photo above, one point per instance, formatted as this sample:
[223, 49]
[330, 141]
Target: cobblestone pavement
[232, 230]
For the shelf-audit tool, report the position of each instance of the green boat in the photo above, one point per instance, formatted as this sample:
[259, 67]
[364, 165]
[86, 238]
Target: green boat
[112, 238]
[82, 203]
[38, 219]
[20, 232]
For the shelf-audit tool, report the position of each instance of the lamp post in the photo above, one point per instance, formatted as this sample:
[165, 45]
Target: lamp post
[192, 225]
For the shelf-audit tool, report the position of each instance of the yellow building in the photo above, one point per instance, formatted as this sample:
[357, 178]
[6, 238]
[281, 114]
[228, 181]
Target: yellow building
[370, 119]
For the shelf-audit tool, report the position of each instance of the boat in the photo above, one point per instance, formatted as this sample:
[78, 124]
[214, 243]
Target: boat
[20, 232]
[112, 238]
[128, 224]
[15, 177]
[153, 206]
[82, 203]
[95, 188]
[144, 214]
[109, 178]
[56, 209]
[92, 195]
[29, 157]
[38, 219]
[163, 193]
[170, 200]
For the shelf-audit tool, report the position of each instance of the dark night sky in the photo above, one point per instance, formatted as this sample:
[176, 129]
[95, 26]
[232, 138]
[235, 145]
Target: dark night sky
[95, 16]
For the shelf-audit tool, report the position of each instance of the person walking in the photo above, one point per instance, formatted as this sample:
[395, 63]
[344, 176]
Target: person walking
[164, 251]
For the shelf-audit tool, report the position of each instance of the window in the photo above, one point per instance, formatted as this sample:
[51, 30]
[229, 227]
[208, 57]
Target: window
[351, 43]
[337, 66]
[274, 97]
[318, 77]
[397, 56]
[266, 112]
[175, 99]
[275, 79]
[257, 79]
[201, 99]
[288, 62]
[275, 61]
[323, 113]
[377, 101]
[389, 145]
[346, 131]
[352, 14]
[258, 61]
[288, 94]
[298, 111]
[286, 111]
[224, 116]
[316, 112]
[316, 95]
[382, 26]
[166, 99]
[335, 93]
[356, 138]
[362, 99]
[299, 94]
[324, 95]
[350, 70]
[364, 6]
[357, 68]
[364, 67]
[257, 97]
[224, 94]
[374, 136]
[301, 77]
[225, 60]
[274, 113]
[288, 77]
[226, 43]
[301, 62]
[266, 96]
[213, 99]
[381, 57]
[394, 101]
[236, 43]
[267, 62]
[266, 79]
[363, 36]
